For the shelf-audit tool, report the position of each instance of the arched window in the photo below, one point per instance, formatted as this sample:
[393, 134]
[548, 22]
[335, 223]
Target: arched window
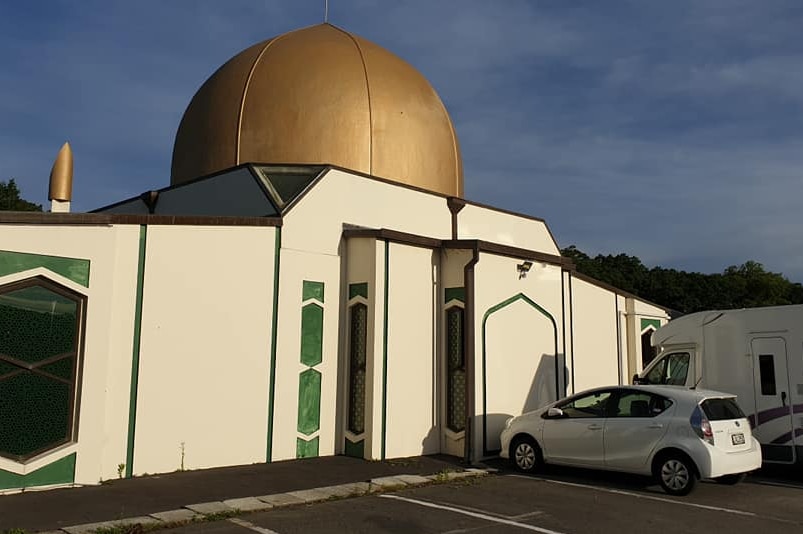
[40, 334]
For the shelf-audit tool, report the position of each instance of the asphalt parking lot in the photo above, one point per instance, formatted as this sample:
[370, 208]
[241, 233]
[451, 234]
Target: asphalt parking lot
[559, 501]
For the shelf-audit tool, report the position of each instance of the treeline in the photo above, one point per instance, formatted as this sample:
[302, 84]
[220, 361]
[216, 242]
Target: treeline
[746, 286]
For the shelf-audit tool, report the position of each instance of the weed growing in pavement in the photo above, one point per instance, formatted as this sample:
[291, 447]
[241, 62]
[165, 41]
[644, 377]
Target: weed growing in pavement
[183, 450]
[219, 516]
[443, 475]
[120, 469]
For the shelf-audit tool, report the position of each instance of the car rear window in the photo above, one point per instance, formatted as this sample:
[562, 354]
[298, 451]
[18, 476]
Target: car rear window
[721, 409]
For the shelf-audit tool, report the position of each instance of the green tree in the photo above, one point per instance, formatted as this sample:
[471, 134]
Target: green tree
[10, 199]
[746, 286]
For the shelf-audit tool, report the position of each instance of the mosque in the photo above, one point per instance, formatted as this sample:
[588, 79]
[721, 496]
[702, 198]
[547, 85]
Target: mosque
[312, 282]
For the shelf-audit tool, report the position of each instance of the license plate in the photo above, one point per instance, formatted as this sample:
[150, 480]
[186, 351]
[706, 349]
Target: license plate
[737, 439]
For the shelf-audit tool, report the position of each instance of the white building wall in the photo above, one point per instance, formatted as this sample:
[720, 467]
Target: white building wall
[411, 417]
[375, 388]
[476, 222]
[522, 349]
[111, 295]
[595, 337]
[361, 268]
[341, 198]
[295, 268]
[205, 347]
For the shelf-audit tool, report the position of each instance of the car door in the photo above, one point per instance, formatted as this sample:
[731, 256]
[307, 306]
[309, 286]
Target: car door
[636, 421]
[575, 438]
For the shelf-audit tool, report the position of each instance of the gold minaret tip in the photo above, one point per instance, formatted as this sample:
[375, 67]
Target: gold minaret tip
[61, 175]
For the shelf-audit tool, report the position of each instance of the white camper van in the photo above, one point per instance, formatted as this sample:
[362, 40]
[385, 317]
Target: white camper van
[755, 353]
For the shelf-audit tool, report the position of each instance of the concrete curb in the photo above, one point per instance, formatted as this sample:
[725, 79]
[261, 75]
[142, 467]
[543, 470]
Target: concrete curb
[230, 508]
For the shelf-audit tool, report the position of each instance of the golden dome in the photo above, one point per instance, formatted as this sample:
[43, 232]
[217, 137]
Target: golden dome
[320, 95]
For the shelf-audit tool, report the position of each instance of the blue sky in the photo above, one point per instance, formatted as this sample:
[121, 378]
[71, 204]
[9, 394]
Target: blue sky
[672, 131]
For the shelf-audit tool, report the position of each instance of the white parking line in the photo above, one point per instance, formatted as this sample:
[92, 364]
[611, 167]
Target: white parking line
[246, 524]
[639, 496]
[471, 514]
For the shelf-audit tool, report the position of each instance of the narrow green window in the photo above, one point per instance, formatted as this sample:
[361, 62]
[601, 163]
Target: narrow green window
[358, 326]
[40, 322]
[456, 371]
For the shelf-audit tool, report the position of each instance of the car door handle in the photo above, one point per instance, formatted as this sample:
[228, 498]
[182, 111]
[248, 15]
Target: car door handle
[656, 425]
[595, 427]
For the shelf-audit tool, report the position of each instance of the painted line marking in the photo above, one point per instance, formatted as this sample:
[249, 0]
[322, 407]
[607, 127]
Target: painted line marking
[640, 496]
[247, 524]
[486, 517]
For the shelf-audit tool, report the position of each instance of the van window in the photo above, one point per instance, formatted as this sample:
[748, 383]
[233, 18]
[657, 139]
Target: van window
[671, 370]
[766, 368]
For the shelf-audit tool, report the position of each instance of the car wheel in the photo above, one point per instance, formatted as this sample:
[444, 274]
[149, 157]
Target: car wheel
[731, 480]
[676, 474]
[525, 454]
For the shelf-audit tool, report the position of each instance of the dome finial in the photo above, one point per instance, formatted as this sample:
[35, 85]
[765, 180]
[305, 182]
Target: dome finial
[61, 180]
[326, 11]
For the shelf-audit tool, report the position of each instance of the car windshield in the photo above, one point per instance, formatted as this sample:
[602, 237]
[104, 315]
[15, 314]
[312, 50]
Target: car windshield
[722, 409]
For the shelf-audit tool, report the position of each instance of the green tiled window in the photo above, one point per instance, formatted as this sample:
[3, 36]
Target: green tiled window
[40, 322]
[456, 370]
[358, 330]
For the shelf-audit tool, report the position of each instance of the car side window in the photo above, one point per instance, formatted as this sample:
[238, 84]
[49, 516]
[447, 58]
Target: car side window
[639, 404]
[593, 405]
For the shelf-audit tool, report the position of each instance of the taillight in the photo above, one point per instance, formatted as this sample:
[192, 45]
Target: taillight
[701, 426]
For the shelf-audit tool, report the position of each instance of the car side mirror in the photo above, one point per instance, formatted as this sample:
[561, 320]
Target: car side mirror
[555, 413]
[636, 379]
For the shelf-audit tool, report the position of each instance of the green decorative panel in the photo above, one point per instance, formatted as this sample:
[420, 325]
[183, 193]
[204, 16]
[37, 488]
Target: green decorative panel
[306, 449]
[59, 472]
[309, 381]
[655, 323]
[455, 293]
[312, 290]
[356, 450]
[309, 401]
[311, 334]
[73, 269]
[358, 290]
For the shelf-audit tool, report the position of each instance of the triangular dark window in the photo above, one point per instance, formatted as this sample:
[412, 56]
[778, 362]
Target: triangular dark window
[286, 183]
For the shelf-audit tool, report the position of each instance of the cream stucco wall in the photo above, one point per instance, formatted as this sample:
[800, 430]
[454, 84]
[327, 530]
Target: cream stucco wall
[361, 267]
[476, 222]
[205, 347]
[296, 267]
[595, 337]
[341, 198]
[519, 353]
[103, 418]
[411, 417]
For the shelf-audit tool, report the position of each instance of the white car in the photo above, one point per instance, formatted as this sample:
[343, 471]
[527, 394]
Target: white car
[675, 434]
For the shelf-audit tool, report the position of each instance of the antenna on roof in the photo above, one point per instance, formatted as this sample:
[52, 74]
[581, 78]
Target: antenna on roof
[326, 11]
